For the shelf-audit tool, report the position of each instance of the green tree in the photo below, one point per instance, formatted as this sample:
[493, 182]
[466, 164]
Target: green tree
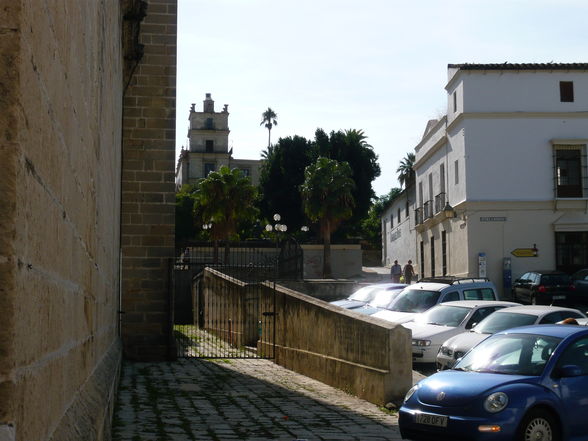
[185, 226]
[351, 146]
[282, 174]
[327, 195]
[224, 199]
[405, 170]
[268, 118]
[371, 225]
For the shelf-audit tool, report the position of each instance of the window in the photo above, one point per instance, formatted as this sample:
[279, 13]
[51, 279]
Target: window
[208, 167]
[479, 315]
[398, 216]
[454, 102]
[456, 167]
[479, 294]
[571, 250]
[422, 253]
[432, 256]
[568, 172]
[246, 172]
[391, 220]
[442, 178]
[208, 124]
[444, 251]
[209, 145]
[575, 354]
[566, 91]
[407, 208]
[450, 297]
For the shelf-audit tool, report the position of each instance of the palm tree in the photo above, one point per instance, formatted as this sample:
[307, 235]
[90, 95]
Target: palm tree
[223, 199]
[269, 119]
[327, 195]
[358, 136]
[405, 170]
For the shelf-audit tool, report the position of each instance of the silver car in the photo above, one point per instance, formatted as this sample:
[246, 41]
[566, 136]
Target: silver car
[455, 347]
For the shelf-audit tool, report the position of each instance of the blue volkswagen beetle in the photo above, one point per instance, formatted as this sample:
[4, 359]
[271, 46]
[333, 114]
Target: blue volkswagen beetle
[528, 384]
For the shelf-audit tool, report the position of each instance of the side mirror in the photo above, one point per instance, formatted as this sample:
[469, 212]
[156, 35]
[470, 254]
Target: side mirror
[570, 370]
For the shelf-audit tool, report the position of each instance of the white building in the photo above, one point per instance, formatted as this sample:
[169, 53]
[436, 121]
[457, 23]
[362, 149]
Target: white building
[398, 229]
[508, 161]
[208, 147]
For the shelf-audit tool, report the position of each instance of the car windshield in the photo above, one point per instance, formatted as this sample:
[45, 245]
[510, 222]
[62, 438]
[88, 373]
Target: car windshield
[513, 354]
[555, 279]
[444, 315]
[415, 300]
[499, 321]
[364, 294]
[383, 299]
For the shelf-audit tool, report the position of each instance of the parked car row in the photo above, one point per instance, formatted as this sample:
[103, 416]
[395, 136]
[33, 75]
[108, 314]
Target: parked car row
[506, 371]
[551, 288]
[454, 348]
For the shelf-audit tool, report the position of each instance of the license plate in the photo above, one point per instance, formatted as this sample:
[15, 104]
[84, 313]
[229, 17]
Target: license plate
[431, 420]
[559, 297]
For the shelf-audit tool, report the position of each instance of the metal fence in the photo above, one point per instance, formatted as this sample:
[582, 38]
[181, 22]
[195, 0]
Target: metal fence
[227, 315]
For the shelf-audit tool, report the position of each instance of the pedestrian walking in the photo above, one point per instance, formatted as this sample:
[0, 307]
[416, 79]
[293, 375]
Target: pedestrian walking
[408, 272]
[396, 272]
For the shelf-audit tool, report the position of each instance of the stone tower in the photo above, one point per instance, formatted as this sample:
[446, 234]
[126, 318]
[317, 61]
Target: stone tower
[208, 146]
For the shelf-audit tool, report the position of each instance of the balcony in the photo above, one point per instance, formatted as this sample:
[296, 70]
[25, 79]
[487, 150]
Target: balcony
[428, 210]
[418, 216]
[440, 201]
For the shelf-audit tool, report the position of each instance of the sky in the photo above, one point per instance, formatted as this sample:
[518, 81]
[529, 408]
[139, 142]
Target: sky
[377, 65]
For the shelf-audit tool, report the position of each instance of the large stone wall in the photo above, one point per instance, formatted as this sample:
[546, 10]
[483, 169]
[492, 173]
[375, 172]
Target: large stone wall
[365, 356]
[60, 126]
[148, 188]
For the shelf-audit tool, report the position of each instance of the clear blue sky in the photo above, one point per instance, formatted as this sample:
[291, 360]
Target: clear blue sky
[375, 65]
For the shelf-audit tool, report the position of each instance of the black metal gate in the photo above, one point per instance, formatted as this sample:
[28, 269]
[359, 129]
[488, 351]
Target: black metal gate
[224, 297]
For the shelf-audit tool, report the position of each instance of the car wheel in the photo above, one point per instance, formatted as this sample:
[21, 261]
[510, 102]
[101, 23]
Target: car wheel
[539, 425]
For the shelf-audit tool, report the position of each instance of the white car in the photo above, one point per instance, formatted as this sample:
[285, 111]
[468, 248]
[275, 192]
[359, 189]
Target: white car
[381, 301]
[430, 329]
[457, 346]
[367, 294]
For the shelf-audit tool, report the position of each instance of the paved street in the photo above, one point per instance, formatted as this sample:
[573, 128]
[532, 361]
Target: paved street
[239, 399]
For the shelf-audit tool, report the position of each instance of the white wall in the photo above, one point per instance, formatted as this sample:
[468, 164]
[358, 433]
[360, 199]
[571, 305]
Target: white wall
[515, 91]
[512, 158]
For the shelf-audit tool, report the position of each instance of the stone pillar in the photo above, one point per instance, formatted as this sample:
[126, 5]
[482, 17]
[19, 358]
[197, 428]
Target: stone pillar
[148, 190]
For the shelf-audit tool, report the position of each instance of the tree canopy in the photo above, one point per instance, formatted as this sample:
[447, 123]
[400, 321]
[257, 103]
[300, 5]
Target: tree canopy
[371, 225]
[223, 199]
[185, 225]
[405, 170]
[282, 174]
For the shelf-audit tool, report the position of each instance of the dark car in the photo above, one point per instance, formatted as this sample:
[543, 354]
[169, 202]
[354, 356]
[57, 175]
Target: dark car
[544, 288]
[580, 281]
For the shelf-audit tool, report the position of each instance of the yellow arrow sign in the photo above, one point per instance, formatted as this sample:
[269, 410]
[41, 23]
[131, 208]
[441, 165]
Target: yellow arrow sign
[524, 252]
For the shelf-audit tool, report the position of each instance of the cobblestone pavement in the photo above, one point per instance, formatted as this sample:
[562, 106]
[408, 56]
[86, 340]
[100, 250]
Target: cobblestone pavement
[194, 399]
